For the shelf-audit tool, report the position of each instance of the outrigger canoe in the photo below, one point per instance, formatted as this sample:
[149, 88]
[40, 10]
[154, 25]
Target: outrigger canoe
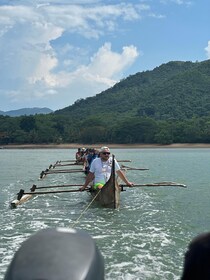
[108, 196]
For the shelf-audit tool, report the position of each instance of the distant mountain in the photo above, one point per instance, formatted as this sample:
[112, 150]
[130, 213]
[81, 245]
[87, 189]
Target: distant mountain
[26, 112]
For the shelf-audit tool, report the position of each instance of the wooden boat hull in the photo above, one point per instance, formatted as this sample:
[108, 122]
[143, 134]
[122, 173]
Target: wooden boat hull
[108, 196]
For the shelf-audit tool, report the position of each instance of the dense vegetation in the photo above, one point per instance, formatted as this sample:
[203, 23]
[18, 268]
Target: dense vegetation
[170, 104]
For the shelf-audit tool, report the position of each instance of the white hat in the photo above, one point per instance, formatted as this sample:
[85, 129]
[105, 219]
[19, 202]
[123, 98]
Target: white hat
[104, 149]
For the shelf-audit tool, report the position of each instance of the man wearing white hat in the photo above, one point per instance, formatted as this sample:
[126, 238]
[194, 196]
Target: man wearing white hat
[100, 170]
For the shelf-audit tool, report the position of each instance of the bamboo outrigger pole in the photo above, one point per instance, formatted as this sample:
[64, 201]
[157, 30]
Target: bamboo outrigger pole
[67, 164]
[63, 170]
[53, 192]
[23, 196]
[34, 187]
[47, 171]
[120, 160]
[160, 184]
[133, 168]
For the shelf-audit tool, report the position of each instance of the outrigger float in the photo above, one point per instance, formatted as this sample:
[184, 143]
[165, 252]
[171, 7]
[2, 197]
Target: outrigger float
[108, 196]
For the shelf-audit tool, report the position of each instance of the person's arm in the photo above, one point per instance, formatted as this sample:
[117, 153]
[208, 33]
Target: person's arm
[85, 163]
[89, 179]
[123, 177]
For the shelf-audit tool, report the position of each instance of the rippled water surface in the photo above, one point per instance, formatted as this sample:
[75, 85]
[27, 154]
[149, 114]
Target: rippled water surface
[145, 239]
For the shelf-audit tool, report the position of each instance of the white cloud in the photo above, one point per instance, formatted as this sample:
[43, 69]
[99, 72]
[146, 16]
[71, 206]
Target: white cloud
[42, 72]
[103, 71]
[207, 49]
[31, 64]
[178, 2]
[107, 63]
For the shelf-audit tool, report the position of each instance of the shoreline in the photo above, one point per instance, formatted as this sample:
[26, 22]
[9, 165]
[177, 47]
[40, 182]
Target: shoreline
[97, 146]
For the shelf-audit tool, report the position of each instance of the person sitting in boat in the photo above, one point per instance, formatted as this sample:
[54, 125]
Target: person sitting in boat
[86, 166]
[90, 157]
[78, 154]
[100, 171]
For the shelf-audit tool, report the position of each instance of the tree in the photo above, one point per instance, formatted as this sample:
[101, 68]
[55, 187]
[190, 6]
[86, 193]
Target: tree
[27, 123]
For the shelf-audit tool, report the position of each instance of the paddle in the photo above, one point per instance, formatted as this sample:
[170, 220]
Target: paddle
[160, 184]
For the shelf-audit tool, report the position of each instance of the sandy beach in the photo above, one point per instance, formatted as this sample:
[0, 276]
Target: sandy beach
[114, 146]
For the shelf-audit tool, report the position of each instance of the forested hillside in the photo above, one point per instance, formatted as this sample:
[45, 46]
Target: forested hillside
[176, 90]
[169, 104]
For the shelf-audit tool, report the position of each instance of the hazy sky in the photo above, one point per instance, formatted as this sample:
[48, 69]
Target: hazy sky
[55, 52]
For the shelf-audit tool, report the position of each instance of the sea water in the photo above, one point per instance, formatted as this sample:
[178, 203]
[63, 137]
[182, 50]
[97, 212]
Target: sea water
[145, 239]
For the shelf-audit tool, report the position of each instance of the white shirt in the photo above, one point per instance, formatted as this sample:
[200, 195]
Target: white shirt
[102, 169]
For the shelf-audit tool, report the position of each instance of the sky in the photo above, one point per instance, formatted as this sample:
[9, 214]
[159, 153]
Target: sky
[55, 52]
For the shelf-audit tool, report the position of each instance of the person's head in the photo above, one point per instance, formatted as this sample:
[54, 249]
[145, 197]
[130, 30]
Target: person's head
[197, 259]
[92, 151]
[104, 153]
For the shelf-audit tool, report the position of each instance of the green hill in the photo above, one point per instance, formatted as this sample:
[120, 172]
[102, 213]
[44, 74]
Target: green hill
[176, 90]
[169, 104]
